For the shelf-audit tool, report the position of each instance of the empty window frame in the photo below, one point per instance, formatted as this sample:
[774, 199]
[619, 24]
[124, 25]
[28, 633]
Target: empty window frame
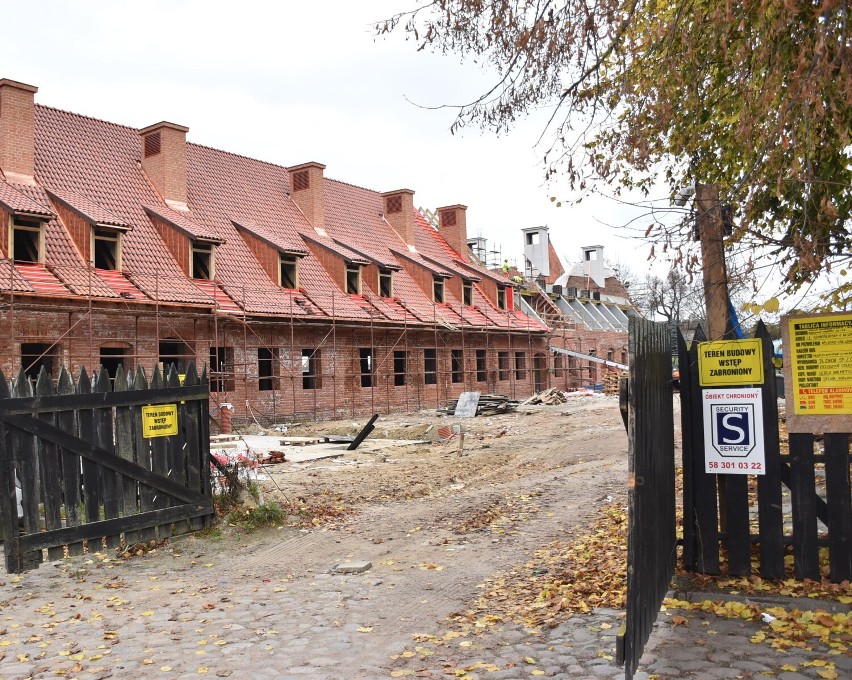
[624, 357]
[430, 366]
[353, 279]
[557, 366]
[610, 354]
[481, 374]
[400, 361]
[520, 366]
[501, 297]
[311, 369]
[35, 355]
[386, 283]
[288, 271]
[268, 371]
[106, 249]
[173, 351]
[467, 293]
[202, 261]
[503, 365]
[113, 358]
[221, 369]
[365, 356]
[438, 289]
[27, 241]
[457, 365]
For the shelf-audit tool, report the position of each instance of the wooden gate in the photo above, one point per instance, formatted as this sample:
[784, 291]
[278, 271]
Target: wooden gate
[97, 465]
[651, 540]
[719, 509]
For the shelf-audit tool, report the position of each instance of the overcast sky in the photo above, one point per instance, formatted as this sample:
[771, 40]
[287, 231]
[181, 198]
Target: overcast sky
[289, 82]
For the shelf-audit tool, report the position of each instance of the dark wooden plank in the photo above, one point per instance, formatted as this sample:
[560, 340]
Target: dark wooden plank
[803, 497]
[142, 448]
[203, 407]
[110, 479]
[819, 501]
[25, 452]
[705, 490]
[176, 455]
[738, 537]
[160, 461]
[71, 479]
[99, 456]
[190, 429]
[769, 497]
[364, 433]
[107, 527]
[35, 405]
[124, 450]
[50, 467]
[88, 434]
[839, 506]
[690, 552]
[8, 495]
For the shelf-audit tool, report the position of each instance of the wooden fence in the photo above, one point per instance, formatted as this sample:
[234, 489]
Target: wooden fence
[98, 464]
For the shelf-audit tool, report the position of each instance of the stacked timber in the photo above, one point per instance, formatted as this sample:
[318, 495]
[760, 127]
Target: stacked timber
[549, 397]
[611, 381]
[489, 405]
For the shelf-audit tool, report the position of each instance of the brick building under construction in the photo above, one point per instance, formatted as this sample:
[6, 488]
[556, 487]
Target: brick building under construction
[306, 296]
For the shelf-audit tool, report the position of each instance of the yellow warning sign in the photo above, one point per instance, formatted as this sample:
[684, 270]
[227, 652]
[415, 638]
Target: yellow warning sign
[820, 350]
[159, 421]
[730, 362]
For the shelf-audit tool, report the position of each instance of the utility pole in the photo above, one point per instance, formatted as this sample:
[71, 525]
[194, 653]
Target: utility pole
[715, 275]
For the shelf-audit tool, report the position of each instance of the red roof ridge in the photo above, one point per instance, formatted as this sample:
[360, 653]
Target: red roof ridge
[349, 184]
[82, 115]
[207, 147]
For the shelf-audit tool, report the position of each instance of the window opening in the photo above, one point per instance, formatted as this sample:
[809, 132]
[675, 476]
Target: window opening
[113, 358]
[399, 367]
[501, 297]
[457, 365]
[480, 366]
[520, 366]
[26, 241]
[386, 283]
[221, 369]
[174, 352]
[289, 271]
[105, 249]
[311, 371]
[268, 362]
[430, 367]
[467, 293]
[34, 355]
[366, 358]
[503, 365]
[202, 261]
[353, 279]
[557, 366]
[438, 289]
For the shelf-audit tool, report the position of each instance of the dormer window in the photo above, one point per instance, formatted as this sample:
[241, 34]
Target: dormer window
[385, 283]
[438, 289]
[27, 243]
[501, 297]
[467, 293]
[106, 248]
[353, 279]
[202, 261]
[289, 271]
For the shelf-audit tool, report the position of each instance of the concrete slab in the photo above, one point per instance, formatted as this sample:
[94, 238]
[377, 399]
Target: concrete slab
[353, 567]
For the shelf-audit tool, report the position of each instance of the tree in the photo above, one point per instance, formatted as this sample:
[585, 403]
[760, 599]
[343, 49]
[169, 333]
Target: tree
[755, 96]
[674, 297]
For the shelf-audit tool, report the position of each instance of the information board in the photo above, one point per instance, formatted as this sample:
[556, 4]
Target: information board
[730, 362]
[159, 421]
[818, 372]
[733, 431]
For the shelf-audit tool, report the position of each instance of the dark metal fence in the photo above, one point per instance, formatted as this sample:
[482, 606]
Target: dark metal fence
[92, 464]
[651, 540]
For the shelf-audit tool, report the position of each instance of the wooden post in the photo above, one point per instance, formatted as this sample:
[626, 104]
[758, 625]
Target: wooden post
[711, 233]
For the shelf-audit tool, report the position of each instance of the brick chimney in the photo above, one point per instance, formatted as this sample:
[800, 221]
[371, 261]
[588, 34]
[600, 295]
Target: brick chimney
[164, 161]
[307, 190]
[399, 212]
[452, 225]
[17, 131]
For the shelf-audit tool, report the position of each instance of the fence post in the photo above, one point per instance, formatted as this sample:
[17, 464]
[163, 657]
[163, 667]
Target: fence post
[839, 506]
[8, 494]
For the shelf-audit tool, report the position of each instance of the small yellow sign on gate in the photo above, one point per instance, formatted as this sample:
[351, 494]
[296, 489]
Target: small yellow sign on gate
[159, 421]
[730, 362]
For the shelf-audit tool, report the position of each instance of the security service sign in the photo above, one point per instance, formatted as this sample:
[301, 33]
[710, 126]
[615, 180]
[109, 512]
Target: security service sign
[733, 431]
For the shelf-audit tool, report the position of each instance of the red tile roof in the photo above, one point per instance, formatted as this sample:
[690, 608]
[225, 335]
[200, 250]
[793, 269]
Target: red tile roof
[94, 168]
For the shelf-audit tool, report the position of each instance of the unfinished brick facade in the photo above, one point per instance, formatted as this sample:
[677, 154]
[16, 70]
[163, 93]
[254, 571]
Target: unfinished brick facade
[304, 296]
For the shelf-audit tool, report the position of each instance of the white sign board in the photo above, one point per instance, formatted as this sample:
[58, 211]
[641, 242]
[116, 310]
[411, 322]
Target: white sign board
[733, 431]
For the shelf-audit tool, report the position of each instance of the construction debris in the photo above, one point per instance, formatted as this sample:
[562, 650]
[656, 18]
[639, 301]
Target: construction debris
[489, 405]
[611, 381]
[549, 397]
